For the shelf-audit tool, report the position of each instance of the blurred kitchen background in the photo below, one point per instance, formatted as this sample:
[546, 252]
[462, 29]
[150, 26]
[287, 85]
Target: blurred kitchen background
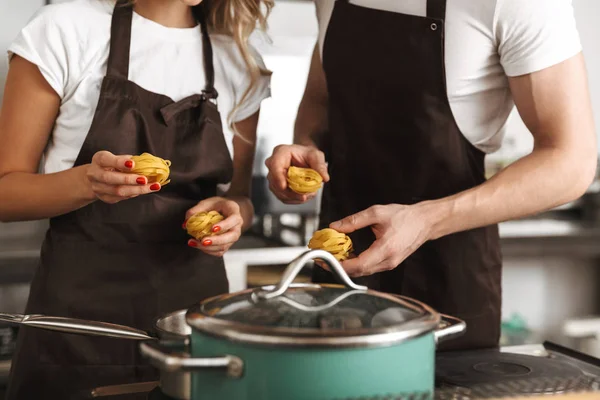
[551, 262]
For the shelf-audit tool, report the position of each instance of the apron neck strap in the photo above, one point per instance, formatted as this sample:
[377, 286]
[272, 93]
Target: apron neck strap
[209, 71]
[120, 45]
[436, 9]
[120, 40]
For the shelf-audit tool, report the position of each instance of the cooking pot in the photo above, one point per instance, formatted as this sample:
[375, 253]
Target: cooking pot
[305, 341]
[171, 329]
[287, 341]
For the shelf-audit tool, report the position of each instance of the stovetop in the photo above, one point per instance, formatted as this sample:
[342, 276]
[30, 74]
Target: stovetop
[483, 374]
[521, 370]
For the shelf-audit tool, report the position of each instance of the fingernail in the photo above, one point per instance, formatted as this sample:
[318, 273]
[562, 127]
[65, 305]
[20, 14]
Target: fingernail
[141, 181]
[335, 225]
[207, 242]
[129, 164]
[184, 224]
[191, 243]
[154, 186]
[216, 229]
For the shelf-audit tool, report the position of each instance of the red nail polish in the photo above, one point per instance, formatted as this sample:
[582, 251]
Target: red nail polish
[216, 229]
[154, 186]
[184, 224]
[141, 181]
[207, 242]
[129, 164]
[191, 243]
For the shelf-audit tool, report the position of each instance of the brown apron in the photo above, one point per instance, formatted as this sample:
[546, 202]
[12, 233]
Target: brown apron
[129, 262]
[393, 139]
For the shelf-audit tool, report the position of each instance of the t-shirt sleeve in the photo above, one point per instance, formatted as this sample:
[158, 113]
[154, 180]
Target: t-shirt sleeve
[535, 34]
[41, 43]
[323, 10]
[260, 91]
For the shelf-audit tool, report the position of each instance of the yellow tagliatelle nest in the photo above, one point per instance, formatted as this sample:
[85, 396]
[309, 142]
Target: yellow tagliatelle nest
[304, 180]
[336, 243]
[154, 168]
[200, 225]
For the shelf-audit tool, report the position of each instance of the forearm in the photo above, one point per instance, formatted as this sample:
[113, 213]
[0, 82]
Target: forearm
[545, 179]
[312, 119]
[29, 196]
[311, 123]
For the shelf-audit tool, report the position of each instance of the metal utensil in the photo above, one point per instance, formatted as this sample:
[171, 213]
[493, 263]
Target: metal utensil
[74, 325]
[171, 330]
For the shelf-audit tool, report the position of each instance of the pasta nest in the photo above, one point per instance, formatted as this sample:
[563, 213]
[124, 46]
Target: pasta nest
[154, 168]
[332, 241]
[200, 224]
[304, 180]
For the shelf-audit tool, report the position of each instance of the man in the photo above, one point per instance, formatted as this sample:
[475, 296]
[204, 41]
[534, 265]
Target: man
[404, 99]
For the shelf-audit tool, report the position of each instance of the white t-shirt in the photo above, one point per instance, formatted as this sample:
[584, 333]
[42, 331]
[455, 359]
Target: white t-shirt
[486, 41]
[69, 42]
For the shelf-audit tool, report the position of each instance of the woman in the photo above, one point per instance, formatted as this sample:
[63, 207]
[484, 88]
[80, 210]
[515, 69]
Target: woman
[86, 91]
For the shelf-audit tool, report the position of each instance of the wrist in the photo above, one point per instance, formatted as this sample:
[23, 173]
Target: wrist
[246, 209]
[305, 141]
[86, 192]
[438, 216]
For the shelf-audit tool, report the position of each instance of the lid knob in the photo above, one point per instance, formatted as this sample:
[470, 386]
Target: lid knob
[294, 268]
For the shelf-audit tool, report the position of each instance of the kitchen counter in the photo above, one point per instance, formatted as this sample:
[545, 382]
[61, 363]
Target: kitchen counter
[550, 237]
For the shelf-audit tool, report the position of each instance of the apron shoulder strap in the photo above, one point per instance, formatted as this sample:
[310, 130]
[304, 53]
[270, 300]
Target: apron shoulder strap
[436, 9]
[209, 90]
[120, 40]
[120, 44]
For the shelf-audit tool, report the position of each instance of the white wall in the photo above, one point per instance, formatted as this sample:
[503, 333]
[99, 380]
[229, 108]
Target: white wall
[587, 13]
[14, 14]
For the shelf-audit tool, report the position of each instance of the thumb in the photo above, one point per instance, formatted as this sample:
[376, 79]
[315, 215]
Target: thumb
[353, 222]
[203, 206]
[316, 160]
[228, 207]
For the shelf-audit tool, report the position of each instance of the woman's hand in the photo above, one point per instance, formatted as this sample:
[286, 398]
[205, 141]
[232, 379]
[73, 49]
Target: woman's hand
[399, 230]
[229, 229]
[295, 155]
[108, 182]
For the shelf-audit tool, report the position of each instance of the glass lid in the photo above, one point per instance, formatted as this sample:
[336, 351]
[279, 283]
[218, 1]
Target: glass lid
[305, 314]
[314, 307]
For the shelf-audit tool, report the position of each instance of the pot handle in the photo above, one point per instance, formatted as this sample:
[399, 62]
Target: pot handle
[73, 325]
[294, 268]
[164, 360]
[449, 328]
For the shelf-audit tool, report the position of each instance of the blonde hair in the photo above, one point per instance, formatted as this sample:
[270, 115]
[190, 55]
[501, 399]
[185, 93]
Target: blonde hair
[238, 19]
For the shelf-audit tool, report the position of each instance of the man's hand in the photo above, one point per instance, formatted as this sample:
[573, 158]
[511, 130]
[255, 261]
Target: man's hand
[399, 230]
[285, 156]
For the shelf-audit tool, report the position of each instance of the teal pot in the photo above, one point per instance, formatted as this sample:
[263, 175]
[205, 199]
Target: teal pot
[309, 342]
